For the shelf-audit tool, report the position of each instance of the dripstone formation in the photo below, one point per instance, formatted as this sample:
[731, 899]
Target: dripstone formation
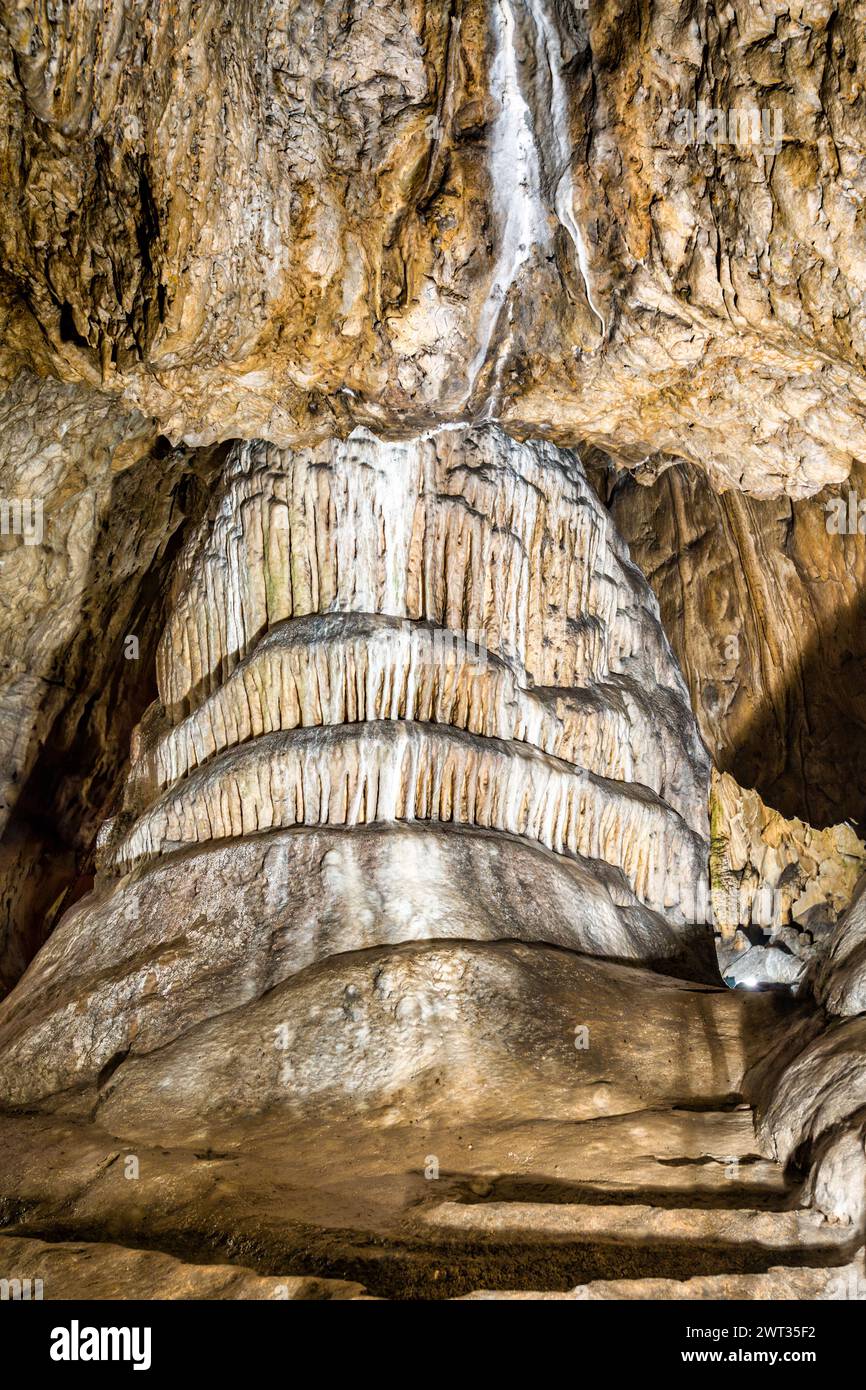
[413, 845]
[382, 892]
[408, 693]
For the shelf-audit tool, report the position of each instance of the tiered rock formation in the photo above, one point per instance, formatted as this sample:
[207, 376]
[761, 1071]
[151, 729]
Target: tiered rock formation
[489, 658]
[419, 811]
[389, 672]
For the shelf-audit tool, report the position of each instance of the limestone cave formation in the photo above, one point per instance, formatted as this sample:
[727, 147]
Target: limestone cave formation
[432, 650]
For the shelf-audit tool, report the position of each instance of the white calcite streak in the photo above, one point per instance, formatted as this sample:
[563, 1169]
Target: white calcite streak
[562, 180]
[517, 176]
[515, 179]
[500, 541]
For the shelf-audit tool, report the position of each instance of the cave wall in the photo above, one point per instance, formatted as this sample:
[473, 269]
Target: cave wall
[82, 593]
[763, 603]
[309, 317]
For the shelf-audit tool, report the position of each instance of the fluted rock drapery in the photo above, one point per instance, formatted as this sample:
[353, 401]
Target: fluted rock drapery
[442, 643]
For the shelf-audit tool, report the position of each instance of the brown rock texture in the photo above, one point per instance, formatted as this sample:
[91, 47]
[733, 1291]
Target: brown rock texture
[66, 1271]
[628, 224]
[765, 867]
[109, 500]
[763, 605]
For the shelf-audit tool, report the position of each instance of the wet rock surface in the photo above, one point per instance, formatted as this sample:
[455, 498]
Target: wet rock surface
[615, 222]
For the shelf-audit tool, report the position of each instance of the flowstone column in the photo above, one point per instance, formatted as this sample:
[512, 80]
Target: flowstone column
[421, 750]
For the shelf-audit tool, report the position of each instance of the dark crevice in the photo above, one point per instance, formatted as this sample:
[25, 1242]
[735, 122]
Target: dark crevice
[411, 1269]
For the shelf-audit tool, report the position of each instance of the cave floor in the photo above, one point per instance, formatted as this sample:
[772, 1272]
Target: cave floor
[657, 1203]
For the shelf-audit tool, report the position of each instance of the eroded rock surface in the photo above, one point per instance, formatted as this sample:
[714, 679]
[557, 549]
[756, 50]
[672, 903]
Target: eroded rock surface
[812, 1094]
[763, 605]
[92, 504]
[777, 887]
[70, 1271]
[842, 981]
[631, 225]
[781, 872]
[375, 1197]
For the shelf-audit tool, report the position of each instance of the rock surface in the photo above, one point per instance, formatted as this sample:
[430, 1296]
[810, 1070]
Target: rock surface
[777, 890]
[816, 1104]
[613, 222]
[778, 1283]
[76, 1271]
[612, 1196]
[776, 872]
[763, 605]
[841, 984]
[146, 954]
[104, 501]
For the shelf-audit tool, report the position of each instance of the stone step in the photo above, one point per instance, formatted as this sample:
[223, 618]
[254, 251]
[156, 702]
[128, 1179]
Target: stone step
[840, 1282]
[323, 1218]
[73, 1270]
[796, 1230]
[697, 1183]
[677, 1157]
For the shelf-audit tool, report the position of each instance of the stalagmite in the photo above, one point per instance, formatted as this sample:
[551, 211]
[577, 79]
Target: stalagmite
[439, 635]
[453, 703]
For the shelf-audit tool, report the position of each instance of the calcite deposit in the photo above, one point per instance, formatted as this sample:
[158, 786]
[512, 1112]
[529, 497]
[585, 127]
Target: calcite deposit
[763, 605]
[510, 672]
[783, 879]
[280, 221]
[431, 830]
[432, 642]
